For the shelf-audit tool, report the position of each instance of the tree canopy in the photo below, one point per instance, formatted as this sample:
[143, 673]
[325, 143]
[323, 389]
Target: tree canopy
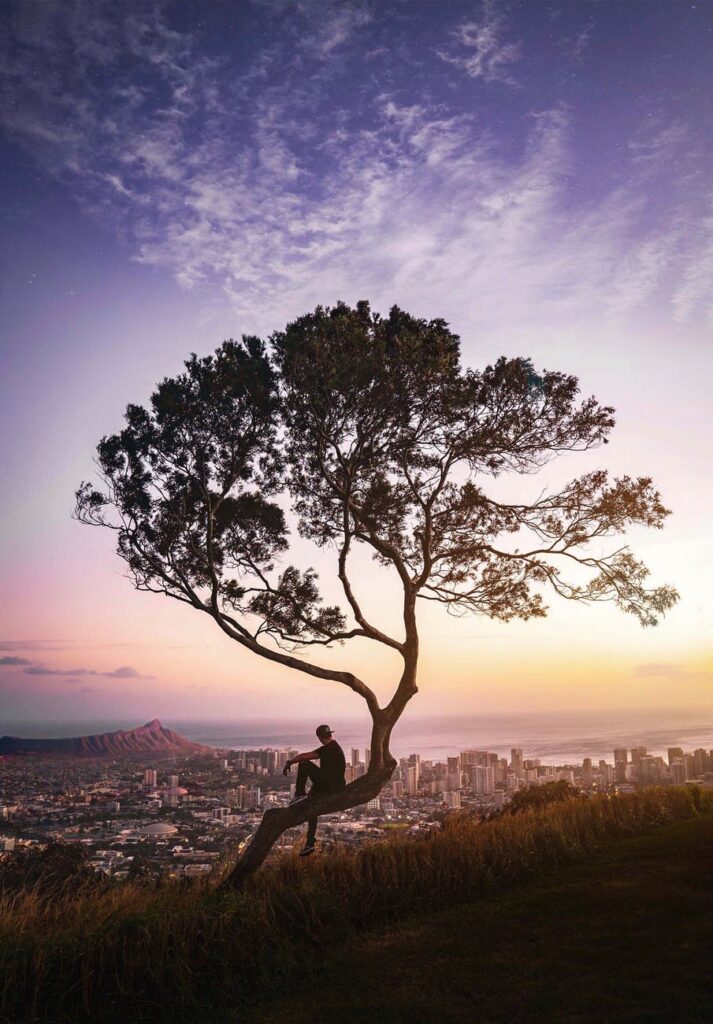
[374, 433]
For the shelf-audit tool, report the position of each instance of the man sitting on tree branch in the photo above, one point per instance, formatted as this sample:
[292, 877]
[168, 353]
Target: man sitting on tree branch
[327, 778]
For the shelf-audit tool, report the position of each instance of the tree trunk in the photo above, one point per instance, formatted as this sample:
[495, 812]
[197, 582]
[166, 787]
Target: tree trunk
[277, 820]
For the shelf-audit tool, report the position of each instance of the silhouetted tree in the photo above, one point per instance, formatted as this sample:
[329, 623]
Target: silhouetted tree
[372, 434]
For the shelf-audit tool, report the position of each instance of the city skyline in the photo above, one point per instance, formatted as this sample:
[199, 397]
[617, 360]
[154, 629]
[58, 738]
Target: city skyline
[204, 172]
[178, 815]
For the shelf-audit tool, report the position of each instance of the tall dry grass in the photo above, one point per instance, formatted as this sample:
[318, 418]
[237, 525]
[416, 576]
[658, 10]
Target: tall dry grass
[146, 954]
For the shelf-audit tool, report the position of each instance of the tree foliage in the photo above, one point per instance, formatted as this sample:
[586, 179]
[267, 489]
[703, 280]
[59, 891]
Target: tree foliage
[535, 797]
[375, 435]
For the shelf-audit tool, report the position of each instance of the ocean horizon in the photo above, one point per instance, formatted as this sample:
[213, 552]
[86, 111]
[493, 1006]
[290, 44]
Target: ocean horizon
[554, 737]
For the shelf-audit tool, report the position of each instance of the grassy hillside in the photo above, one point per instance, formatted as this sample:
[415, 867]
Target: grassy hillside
[625, 937]
[101, 953]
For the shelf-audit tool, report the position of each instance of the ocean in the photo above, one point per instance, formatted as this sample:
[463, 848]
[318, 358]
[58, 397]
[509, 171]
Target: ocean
[554, 737]
[560, 738]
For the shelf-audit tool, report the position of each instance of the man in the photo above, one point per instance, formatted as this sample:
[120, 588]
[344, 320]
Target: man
[327, 778]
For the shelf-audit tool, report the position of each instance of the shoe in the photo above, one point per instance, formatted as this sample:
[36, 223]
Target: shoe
[307, 850]
[298, 799]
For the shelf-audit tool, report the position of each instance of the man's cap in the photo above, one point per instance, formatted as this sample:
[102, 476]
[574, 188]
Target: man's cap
[322, 729]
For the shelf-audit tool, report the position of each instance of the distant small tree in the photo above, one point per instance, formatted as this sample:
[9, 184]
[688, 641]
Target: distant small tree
[535, 797]
[55, 870]
[371, 433]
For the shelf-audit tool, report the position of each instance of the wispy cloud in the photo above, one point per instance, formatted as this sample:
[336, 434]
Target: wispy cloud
[338, 26]
[38, 669]
[481, 48]
[574, 47]
[243, 179]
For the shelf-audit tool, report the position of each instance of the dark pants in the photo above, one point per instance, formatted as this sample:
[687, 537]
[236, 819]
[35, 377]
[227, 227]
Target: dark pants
[320, 787]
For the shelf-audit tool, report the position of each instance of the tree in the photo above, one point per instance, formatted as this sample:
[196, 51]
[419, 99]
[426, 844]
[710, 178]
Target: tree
[535, 797]
[372, 433]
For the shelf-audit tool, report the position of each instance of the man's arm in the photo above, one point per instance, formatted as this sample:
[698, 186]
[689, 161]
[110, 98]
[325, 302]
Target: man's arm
[310, 755]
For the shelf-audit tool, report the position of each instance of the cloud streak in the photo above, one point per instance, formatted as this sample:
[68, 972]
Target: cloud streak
[670, 670]
[35, 669]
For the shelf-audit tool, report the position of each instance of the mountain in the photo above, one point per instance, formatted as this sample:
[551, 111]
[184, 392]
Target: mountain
[152, 738]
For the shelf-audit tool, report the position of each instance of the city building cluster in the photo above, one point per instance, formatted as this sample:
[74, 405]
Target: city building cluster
[179, 816]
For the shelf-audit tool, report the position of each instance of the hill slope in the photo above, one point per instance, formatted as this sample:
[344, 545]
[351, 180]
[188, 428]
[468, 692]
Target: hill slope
[625, 937]
[151, 738]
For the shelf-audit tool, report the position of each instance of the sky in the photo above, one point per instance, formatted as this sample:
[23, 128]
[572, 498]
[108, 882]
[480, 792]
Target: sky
[538, 174]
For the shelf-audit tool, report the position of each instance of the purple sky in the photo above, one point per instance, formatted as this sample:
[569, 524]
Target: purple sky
[538, 174]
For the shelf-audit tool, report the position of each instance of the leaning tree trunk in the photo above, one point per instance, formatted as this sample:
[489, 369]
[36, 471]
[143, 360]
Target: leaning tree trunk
[277, 820]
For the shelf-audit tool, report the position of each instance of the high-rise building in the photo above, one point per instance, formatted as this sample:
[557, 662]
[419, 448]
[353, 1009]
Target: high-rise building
[411, 780]
[516, 760]
[678, 772]
[236, 797]
[414, 761]
[173, 782]
[453, 800]
[621, 759]
[150, 778]
[674, 754]
[253, 797]
[355, 755]
[367, 756]
[587, 773]
[650, 770]
[397, 789]
[636, 754]
[699, 762]
[483, 779]
[374, 804]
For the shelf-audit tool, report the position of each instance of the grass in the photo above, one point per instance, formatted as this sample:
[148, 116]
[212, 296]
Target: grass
[625, 937]
[178, 952]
